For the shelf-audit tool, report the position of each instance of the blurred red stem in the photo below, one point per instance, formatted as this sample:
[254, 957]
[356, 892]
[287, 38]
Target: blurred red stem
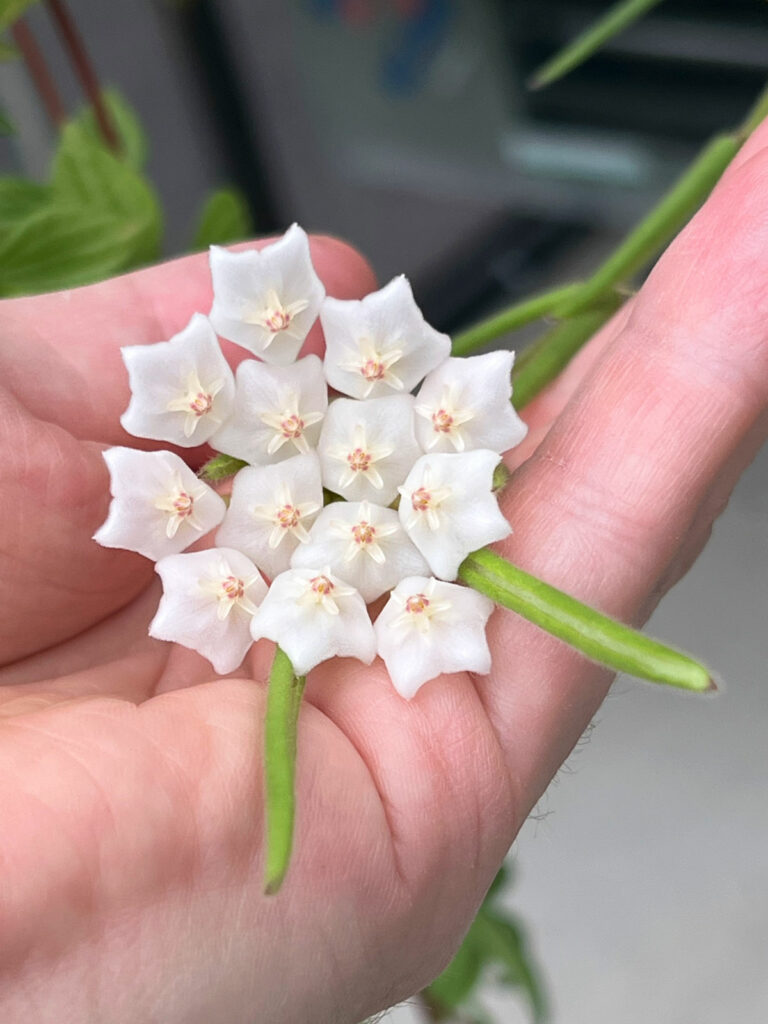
[38, 70]
[83, 68]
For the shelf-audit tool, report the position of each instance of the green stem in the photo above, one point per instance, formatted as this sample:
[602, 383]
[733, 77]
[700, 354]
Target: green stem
[283, 702]
[542, 361]
[659, 227]
[615, 20]
[599, 637]
[510, 319]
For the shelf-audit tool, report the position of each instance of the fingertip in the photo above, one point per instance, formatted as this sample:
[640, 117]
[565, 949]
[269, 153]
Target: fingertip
[346, 273]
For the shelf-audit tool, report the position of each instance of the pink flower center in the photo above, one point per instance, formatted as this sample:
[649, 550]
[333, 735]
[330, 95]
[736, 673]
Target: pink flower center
[359, 460]
[292, 426]
[443, 421]
[417, 604]
[201, 403]
[183, 505]
[321, 585]
[363, 532]
[288, 516]
[421, 500]
[278, 320]
[373, 369]
[233, 587]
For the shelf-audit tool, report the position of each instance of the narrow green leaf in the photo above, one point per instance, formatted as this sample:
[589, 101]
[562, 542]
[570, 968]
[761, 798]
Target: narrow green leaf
[62, 246]
[221, 467]
[225, 217]
[12, 10]
[615, 20]
[281, 720]
[599, 637]
[501, 940]
[20, 197]
[510, 319]
[454, 986]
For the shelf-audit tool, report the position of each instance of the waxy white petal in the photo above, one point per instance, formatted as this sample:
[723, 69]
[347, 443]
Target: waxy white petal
[366, 448]
[271, 509]
[209, 598]
[277, 411]
[159, 507]
[381, 344]
[181, 390]
[314, 616]
[448, 509]
[266, 300]
[428, 628]
[466, 404]
[364, 545]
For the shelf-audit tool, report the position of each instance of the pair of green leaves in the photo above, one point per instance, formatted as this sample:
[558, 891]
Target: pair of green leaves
[99, 214]
[494, 948]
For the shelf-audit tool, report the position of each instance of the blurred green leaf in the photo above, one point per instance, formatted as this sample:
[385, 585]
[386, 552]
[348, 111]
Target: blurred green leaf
[495, 941]
[134, 146]
[7, 50]
[19, 198]
[6, 125]
[12, 10]
[221, 467]
[62, 246]
[225, 217]
[86, 174]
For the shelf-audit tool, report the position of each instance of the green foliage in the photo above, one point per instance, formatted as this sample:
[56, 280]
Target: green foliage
[494, 947]
[97, 216]
[12, 10]
[221, 467]
[225, 218]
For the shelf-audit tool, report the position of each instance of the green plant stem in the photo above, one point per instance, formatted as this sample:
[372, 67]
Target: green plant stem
[543, 361]
[510, 319]
[615, 20]
[599, 637]
[284, 695]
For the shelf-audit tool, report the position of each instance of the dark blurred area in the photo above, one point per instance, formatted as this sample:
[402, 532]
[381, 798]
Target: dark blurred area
[406, 125]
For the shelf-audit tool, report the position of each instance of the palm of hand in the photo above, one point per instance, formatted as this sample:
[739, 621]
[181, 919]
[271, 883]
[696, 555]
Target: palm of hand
[132, 846]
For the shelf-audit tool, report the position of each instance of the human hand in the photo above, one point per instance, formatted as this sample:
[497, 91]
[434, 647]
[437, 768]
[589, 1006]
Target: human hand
[133, 822]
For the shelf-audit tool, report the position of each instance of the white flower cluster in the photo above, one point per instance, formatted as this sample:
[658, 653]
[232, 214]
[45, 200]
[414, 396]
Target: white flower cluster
[414, 474]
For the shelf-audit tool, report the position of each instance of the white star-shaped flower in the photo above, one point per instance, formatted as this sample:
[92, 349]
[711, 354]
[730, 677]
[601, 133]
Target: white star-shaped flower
[271, 510]
[429, 627]
[159, 507]
[181, 390]
[267, 300]
[363, 544]
[277, 411]
[380, 344]
[466, 403]
[366, 448]
[314, 616]
[448, 509]
[209, 598]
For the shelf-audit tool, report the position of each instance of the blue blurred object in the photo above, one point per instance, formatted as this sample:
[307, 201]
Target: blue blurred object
[420, 38]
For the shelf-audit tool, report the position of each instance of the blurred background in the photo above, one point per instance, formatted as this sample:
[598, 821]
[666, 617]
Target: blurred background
[405, 126]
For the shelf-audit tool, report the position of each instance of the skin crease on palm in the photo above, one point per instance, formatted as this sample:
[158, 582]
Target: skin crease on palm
[131, 846]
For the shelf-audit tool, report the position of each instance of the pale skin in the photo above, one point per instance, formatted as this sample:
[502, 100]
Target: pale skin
[131, 843]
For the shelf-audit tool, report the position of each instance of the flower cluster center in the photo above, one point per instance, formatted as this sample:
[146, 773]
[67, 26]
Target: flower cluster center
[443, 421]
[288, 516]
[359, 460]
[201, 403]
[233, 588]
[292, 426]
[421, 500]
[321, 585]
[417, 604]
[363, 532]
[373, 369]
[183, 505]
[277, 320]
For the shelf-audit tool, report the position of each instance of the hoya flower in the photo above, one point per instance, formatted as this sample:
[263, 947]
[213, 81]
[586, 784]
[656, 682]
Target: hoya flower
[380, 344]
[181, 390]
[277, 411]
[313, 616]
[271, 510]
[429, 627]
[448, 509]
[363, 544]
[159, 507]
[209, 598]
[366, 448]
[466, 403]
[267, 300]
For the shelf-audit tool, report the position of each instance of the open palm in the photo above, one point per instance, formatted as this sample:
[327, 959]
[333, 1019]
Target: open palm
[131, 846]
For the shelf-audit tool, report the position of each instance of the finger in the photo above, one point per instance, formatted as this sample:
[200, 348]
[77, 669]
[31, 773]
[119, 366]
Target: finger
[60, 353]
[605, 504]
